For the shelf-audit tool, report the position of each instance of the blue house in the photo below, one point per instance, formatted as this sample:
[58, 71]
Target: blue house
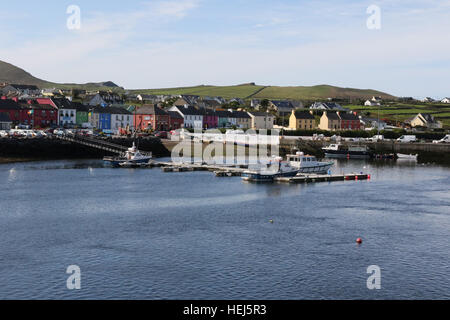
[100, 118]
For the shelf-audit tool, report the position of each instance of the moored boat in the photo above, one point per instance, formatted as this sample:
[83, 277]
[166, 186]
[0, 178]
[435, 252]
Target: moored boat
[308, 164]
[411, 157]
[349, 152]
[131, 157]
[267, 173]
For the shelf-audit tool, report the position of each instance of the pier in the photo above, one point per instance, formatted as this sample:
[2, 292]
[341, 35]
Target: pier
[310, 178]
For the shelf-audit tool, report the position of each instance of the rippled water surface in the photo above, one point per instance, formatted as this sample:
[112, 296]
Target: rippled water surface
[145, 234]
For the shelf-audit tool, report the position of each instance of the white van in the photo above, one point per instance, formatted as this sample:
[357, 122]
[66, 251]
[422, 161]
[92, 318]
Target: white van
[445, 139]
[407, 138]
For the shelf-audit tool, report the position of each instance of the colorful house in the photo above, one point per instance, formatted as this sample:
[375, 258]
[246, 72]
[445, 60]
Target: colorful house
[192, 117]
[302, 120]
[100, 118]
[176, 120]
[210, 119]
[349, 121]
[330, 121]
[151, 117]
[223, 119]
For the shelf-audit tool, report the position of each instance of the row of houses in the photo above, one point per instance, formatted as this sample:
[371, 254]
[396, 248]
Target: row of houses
[330, 121]
[154, 117]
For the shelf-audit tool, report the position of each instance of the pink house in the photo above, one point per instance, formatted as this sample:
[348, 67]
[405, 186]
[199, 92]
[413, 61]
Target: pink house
[210, 119]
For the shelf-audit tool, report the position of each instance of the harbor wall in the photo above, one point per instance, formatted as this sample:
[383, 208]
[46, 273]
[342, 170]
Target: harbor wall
[53, 148]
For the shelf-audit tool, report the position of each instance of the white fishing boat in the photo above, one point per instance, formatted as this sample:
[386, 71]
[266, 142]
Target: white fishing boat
[273, 169]
[130, 158]
[410, 157]
[308, 164]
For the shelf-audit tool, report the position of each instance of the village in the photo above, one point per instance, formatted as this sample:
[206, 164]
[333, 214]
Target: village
[112, 113]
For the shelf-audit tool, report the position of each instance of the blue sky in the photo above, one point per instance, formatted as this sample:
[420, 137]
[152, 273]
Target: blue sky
[167, 43]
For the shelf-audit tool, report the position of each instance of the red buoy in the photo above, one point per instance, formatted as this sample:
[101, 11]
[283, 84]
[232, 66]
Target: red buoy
[359, 241]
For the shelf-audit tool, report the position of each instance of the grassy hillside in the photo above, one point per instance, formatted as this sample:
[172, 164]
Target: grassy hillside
[239, 91]
[318, 92]
[403, 111]
[12, 74]
[271, 92]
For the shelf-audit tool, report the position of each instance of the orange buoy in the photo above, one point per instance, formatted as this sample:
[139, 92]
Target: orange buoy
[359, 241]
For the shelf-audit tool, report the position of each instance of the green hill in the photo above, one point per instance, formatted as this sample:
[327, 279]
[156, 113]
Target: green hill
[12, 74]
[246, 91]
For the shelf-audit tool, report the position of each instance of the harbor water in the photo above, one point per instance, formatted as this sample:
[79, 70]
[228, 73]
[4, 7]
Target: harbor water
[145, 234]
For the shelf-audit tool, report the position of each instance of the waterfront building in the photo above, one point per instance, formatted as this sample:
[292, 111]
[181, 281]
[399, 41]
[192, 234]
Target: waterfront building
[39, 115]
[151, 117]
[82, 114]
[223, 119]
[5, 121]
[192, 117]
[330, 121]
[241, 119]
[100, 118]
[261, 120]
[210, 119]
[302, 120]
[176, 120]
[13, 110]
[349, 121]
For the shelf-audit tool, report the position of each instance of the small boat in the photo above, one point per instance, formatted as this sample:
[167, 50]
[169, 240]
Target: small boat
[349, 152]
[274, 169]
[308, 164]
[132, 157]
[411, 157]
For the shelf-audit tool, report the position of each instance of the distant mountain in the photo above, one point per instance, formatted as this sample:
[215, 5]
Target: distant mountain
[12, 74]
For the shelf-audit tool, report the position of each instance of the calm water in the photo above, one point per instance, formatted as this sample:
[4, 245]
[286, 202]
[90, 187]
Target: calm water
[144, 234]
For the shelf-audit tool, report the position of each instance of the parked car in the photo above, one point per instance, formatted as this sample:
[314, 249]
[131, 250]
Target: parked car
[376, 138]
[58, 132]
[407, 138]
[445, 139]
[4, 134]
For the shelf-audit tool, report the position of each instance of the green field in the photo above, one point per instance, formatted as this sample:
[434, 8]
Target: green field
[270, 92]
[240, 91]
[402, 112]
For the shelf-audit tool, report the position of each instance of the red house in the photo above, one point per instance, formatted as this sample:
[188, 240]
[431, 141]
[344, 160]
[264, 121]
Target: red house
[151, 117]
[176, 120]
[349, 121]
[42, 115]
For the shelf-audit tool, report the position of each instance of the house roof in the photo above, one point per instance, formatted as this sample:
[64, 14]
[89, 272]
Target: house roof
[4, 117]
[282, 104]
[174, 115]
[260, 114]
[111, 110]
[427, 117]
[303, 115]
[223, 113]
[151, 109]
[189, 110]
[239, 115]
[332, 116]
[348, 116]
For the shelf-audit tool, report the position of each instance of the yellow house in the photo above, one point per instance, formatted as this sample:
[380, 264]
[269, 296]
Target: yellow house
[425, 120]
[330, 121]
[302, 120]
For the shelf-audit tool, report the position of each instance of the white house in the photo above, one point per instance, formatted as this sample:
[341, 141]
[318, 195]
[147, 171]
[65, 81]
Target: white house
[193, 118]
[121, 118]
[262, 120]
[445, 100]
[67, 116]
[371, 103]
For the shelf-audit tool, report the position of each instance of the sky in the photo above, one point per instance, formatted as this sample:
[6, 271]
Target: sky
[174, 43]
